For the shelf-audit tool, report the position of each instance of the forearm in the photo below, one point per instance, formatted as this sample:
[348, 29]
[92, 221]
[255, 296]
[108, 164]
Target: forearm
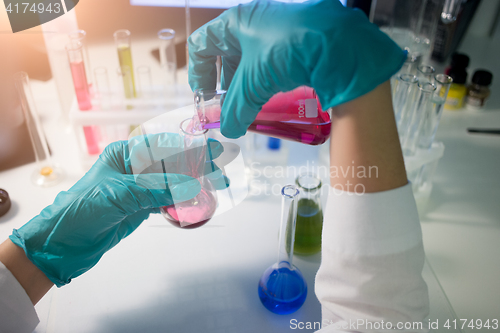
[33, 280]
[365, 149]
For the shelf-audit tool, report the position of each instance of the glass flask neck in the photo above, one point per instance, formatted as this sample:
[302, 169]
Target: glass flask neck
[289, 194]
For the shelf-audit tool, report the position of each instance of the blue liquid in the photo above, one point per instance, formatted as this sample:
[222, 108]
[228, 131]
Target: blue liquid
[281, 289]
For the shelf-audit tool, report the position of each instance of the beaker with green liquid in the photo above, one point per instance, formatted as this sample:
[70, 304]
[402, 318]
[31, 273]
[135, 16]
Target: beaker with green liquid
[309, 215]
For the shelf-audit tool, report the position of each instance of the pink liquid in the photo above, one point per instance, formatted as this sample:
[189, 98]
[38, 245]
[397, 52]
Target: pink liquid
[81, 86]
[295, 115]
[84, 103]
[192, 213]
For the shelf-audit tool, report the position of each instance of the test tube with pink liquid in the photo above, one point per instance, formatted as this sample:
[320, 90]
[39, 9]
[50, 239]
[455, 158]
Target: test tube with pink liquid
[77, 66]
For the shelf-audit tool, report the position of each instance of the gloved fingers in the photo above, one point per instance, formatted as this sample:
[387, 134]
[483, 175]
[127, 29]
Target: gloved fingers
[205, 44]
[157, 190]
[229, 66]
[129, 224]
[214, 149]
[220, 183]
[249, 91]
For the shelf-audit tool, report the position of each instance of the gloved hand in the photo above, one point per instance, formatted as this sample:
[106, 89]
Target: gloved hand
[106, 205]
[268, 47]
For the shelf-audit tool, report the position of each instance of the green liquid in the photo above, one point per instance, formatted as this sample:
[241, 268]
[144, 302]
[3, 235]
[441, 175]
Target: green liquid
[309, 227]
[125, 58]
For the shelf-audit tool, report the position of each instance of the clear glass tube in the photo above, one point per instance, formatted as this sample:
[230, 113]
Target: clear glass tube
[145, 88]
[168, 60]
[403, 100]
[282, 288]
[123, 47]
[80, 36]
[426, 73]
[46, 173]
[78, 72]
[196, 212]
[102, 87]
[422, 107]
[309, 215]
[431, 119]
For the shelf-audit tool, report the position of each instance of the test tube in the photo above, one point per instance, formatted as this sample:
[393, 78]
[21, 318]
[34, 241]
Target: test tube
[144, 82]
[80, 36]
[78, 72]
[431, 120]
[168, 58]
[425, 73]
[102, 87]
[122, 41]
[46, 173]
[422, 107]
[403, 100]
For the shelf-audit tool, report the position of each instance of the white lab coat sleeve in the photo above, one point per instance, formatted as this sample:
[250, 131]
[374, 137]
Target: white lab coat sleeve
[17, 313]
[372, 261]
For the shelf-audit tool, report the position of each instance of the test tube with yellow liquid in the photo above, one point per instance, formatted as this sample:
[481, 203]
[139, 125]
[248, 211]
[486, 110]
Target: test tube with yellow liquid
[122, 41]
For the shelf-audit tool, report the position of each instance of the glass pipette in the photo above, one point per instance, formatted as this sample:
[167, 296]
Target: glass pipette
[46, 173]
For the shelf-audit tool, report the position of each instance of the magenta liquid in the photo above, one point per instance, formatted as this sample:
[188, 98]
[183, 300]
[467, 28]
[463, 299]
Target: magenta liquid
[295, 115]
[81, 86]
[84, 103]
[192, 213]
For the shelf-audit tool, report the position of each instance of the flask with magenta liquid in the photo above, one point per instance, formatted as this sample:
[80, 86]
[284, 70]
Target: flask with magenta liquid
[191, 161]
[282, 288]
[295, 115]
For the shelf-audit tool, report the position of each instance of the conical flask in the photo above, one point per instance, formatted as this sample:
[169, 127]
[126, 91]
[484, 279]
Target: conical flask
[295, 115]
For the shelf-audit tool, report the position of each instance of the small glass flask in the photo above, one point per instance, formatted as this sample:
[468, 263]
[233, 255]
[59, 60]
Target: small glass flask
[309, 215]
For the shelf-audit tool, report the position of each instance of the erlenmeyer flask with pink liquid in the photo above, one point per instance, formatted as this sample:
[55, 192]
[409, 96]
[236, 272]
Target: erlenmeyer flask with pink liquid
[295, 115]
[192, 162]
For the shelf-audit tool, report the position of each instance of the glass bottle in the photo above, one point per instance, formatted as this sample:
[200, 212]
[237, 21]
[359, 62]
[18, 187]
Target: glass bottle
[478, 91]
[191, 161]
[282, 288]
[309, 215]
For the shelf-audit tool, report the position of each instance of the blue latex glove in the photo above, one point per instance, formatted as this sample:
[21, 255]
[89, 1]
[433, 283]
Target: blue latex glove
[268, 47]
[106, 205]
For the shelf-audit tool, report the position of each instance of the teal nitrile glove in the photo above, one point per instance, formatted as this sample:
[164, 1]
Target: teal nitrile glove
[106, 205]
[268, 47]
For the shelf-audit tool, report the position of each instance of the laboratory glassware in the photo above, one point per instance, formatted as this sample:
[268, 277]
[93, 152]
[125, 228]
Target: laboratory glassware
[102, 87]
[77, 65]
[431, 119]
[425, 73]
[145, 88]
[168, 60]
[413, 24]
[422, 106]
[46, 173]
[294, 115]
[406, 86]
[123, 47]
[478, 91]
[282, 288]
[309, 215]
[80, 36]
[78, 72]
[191, 161]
